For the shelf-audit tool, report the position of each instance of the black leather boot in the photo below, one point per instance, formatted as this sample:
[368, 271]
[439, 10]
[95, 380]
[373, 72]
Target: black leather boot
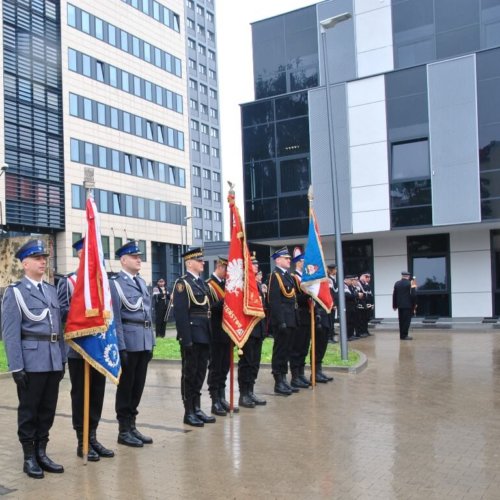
[190, 417]
[303, 377]
[217, 407]
[92, 454]
[319, 369]
[258, 401]
[30, 465]
[101, 450]
[296, 381]
[245, 400]
[224, 402]
[126, 437]
[288, 386]
[206, 419]
[280, 387]
[44, 461]
[139, 435]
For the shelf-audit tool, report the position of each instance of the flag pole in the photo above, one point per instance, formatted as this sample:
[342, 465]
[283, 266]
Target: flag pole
[310, 197]
[231, 344]
[88, 184]
[313, 346]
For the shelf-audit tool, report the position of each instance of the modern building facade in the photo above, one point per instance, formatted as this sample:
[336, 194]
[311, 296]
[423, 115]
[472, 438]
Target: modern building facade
[102, 85]
[414, 93]
[204, 128]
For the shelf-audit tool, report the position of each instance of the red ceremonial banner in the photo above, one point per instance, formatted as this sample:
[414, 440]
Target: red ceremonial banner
[243, 307]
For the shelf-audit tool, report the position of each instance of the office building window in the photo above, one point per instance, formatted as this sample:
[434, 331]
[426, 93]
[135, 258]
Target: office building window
[204, 109]
[207, 214]
[197, 234]
[217, 216]
[206, 173]
[193, 84]
[83, 21]
[214, 133]
[204, 128]
[215, 152]
[212, 74]
[196, 171]
[214, 113]
[191, 43]
[207, 194]
[115, 77]
[216, 196]
[210, 17]
[74, 238]
[410, 184]
[217, 236]
[197, 212]
[202, 69]
[96, 155]
[157, 11]
[195, 145]
[208, 235]
[211, 55]
[203, 89]
[195, 125]
[193, 104]
[202, 50]
[205, 148]
[142, 127]
[197, 191]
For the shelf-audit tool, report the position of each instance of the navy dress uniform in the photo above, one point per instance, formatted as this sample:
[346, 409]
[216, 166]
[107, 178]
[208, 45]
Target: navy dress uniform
[282, 304]
[365, 304]
[132, 315]
[76, 366]
[334, 291]
[404, 299]
[249, 362]
[191, 302]
[302, 337]
[36, 355]
[350, 306]
[322, 327]
[220, 343]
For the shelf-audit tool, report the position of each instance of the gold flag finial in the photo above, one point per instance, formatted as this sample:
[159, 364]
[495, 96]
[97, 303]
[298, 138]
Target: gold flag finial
[231, 187]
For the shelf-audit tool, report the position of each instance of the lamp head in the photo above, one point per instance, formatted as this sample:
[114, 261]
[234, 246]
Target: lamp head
[332, 21]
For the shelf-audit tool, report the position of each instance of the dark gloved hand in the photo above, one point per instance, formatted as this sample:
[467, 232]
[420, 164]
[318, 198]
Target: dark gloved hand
[282, 327]
[63, 371]
[318, 318]
[21, 379]
[123, 357]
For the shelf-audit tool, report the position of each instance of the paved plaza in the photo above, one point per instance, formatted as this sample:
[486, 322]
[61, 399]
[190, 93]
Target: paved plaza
[422, 421]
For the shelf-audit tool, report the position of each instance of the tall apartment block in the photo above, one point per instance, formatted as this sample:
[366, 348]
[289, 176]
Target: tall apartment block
[99, 84]
[415, 122]
[204, 128]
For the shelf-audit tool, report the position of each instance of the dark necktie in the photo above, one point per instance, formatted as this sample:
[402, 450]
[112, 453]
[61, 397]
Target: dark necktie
[136, 280]
[40, 287]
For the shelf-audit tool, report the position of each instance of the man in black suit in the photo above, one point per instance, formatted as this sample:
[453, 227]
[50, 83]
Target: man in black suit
[282, 303]
[404, 299]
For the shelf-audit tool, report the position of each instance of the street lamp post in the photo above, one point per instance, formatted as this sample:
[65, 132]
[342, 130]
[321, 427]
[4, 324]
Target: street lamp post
[327, 24]
[184, 249]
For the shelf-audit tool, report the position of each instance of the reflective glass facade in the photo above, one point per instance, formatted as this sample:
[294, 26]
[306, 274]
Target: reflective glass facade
[428, 30]
[408, 143]
[488, 99]
[276, 166]
[285, 53]
[33, 116]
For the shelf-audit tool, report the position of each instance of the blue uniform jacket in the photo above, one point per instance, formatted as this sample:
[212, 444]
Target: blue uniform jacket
[133, 328]
[32, 355]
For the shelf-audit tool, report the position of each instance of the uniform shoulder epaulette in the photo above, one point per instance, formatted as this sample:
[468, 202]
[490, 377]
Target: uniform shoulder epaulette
[16, 283]
[113, 277]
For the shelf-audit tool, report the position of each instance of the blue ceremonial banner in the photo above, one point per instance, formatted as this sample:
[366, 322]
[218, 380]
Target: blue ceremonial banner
[314, 276]
[90, 328]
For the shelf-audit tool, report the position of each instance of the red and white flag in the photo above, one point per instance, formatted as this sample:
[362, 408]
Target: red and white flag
[243, 307]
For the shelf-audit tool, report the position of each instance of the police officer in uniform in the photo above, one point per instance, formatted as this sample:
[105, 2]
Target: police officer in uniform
[76, 366]
[334, 290]
[404, 299]
[132, 315]
[192, 318]
[302, 335]
[322, 326]
[366, 302]
[249, 362]
[36, 353]
[350, 306]
[218, 367]
[282, 303]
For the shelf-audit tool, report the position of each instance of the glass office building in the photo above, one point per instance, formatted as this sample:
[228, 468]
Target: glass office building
[415, 123]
